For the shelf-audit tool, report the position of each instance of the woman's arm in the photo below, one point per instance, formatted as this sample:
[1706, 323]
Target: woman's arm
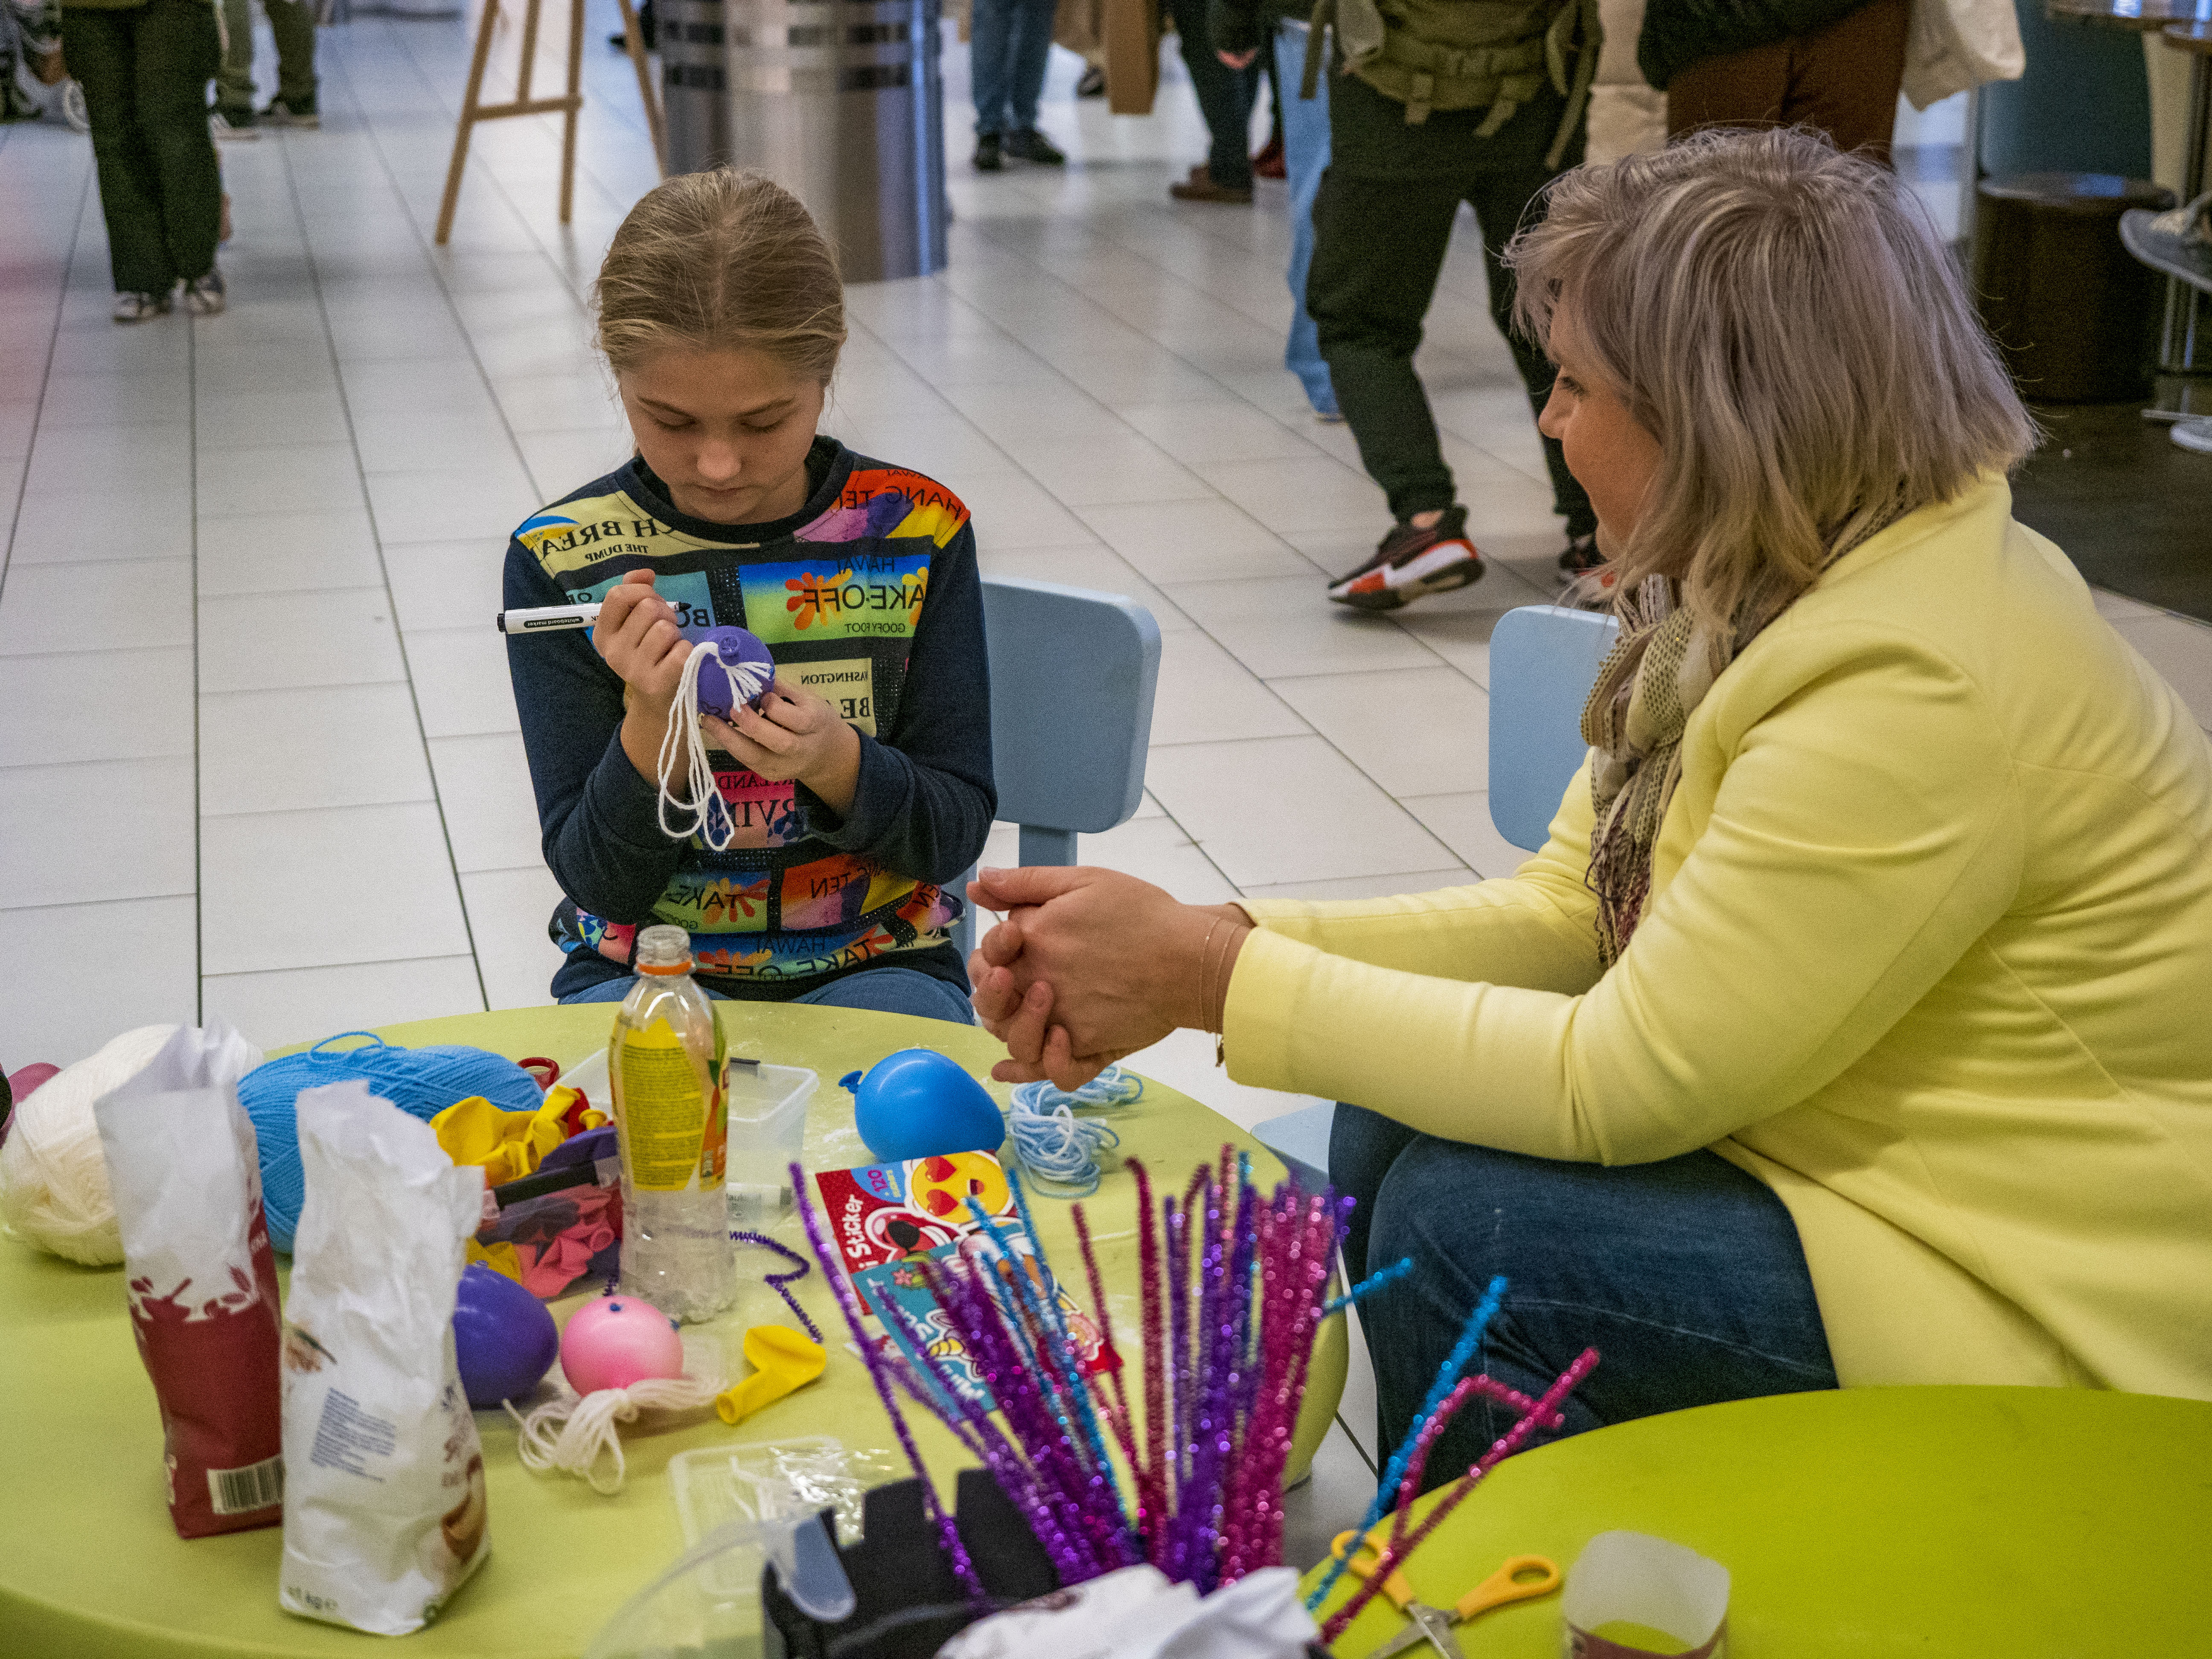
[598, 812]
[923, 803]
[1863, 837]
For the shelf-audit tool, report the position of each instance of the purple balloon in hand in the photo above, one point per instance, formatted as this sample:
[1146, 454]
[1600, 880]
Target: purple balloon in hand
[740, 669]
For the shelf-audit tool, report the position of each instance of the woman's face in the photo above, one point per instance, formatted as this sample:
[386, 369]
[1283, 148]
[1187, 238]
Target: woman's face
[1612, 457]
[727, 431]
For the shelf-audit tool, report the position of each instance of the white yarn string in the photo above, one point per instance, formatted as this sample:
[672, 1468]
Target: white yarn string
[684, 744]
[573, 1434]
[1056, 1145]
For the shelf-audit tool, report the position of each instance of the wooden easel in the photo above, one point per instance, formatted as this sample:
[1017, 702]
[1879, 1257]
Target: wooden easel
[473, 109]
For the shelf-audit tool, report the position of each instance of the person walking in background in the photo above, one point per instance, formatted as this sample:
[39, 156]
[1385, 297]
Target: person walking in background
[1433, 103]
[292, 24]
[1833, 66]
[1242, 30]
[1010, 41]
[145, 66]
[1225, 96]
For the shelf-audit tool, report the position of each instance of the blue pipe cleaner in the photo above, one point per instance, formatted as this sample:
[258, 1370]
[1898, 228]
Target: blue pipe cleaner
[1448, 1374]
[1367, 1286]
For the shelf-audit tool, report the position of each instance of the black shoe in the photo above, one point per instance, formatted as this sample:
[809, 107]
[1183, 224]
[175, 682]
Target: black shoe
[1582, 556]
[1028, 145]
[987, 154]
[1412, 563]
[1091, 83]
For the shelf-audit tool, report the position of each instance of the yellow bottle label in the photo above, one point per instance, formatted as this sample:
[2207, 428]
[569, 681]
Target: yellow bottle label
[665, 1114]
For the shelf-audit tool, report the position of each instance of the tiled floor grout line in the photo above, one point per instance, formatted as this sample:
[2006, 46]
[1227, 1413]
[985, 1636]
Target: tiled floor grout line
[391, 602]
[45, 374]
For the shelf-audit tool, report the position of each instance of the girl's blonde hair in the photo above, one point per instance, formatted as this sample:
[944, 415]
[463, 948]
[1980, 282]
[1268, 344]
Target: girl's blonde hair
[1783, 319]
[722, 261]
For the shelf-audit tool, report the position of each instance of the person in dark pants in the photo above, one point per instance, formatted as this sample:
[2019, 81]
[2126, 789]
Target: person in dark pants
[1010, 42]
[144, 65]
[1225, 96]
[1723, 1310]
[1832, 65]
[1382, 224]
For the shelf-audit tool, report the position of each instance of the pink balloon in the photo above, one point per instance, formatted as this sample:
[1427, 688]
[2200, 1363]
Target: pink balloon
[617, 1340]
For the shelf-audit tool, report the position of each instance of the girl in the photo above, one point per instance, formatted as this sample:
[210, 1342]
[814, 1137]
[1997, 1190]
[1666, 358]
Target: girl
[863, 782]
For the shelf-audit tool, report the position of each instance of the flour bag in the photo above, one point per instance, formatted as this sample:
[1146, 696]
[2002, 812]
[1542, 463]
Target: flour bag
[384, 1511]
[202, 1284]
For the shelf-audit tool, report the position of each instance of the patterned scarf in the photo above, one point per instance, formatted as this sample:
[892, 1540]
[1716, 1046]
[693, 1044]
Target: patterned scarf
[1654, 675]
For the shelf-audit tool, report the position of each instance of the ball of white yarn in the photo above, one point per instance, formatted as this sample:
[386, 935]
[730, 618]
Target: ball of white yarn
[53, 1179]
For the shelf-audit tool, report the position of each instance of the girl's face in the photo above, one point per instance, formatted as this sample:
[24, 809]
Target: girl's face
[727, 431]
[1612, 457]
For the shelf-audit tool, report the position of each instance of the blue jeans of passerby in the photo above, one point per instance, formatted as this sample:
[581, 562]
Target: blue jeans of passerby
[884, 990]
[1686, 1275]
[1305, 158]
[1008, 42]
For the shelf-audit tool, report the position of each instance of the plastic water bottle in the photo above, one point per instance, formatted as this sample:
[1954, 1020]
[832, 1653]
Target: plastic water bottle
[664, 1066]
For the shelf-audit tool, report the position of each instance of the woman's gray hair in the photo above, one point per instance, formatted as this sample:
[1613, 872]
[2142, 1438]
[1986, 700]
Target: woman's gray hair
[1782, 318]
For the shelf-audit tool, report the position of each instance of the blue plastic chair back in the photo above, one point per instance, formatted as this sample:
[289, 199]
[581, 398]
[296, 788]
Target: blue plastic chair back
[1072, 675]
[1543, 661]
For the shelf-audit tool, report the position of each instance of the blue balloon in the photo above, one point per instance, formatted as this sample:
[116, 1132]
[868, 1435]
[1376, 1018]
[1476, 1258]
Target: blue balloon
[503, 1338]
[918, 1104]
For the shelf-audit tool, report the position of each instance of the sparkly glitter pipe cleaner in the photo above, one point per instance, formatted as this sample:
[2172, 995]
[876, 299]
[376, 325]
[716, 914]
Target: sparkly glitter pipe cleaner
[781, 1283]
[1178, 1226]
[1059, 1485]
[1300, 1246]
[1510, 1441]
[1236, 1367]
[1064, 1382]
[983, 1440]
[1447, 1375]
[1073, 1364]
[1095, 1487]
[1367, 1286]
[1151, 1488]
[1118, 1419]
[1248, 1496]
[849, 1304]
[1195, 1506]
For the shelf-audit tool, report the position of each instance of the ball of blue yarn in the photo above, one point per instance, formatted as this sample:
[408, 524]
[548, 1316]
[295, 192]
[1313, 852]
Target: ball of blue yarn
[422, 1082]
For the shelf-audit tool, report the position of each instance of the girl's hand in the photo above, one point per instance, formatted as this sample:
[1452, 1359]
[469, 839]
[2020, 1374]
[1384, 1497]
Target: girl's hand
[638, 637]
[797, 737]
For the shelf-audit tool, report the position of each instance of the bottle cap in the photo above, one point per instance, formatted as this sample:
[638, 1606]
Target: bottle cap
[662, 950]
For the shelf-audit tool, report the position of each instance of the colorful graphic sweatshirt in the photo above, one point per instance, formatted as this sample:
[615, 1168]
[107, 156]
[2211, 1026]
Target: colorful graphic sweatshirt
[869, 595]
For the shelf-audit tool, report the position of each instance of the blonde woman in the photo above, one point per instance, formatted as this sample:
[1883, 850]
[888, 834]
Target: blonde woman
[1855, 1024]
[862, 784]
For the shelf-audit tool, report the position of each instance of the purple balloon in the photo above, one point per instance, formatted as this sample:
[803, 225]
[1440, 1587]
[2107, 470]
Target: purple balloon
[744, 671]
[503, 1338]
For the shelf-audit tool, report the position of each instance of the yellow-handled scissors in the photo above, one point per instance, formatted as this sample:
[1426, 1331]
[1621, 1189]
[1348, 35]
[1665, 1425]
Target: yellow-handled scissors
[1520, 1579]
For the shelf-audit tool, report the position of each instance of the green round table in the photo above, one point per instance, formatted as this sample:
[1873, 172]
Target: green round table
[90, 1567]
[1868, 1523]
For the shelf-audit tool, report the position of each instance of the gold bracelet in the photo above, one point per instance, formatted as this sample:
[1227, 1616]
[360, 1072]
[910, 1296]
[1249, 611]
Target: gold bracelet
[1206, 974]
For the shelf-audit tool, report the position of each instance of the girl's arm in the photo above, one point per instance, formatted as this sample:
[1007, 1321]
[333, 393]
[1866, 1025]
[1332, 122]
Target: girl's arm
[923, 804]
[598, 814]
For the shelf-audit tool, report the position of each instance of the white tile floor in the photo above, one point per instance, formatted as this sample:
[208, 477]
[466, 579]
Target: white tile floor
[254, 720]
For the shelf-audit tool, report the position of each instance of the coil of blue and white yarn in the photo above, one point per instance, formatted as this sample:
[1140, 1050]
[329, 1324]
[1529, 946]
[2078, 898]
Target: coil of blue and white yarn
[1056, 1146]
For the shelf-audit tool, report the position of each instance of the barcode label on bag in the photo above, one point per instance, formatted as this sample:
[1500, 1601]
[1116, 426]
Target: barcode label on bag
[240, 1492]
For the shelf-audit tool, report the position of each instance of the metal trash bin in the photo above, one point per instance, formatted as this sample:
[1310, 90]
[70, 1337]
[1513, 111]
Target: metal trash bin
[838, 100]
[2075, 318]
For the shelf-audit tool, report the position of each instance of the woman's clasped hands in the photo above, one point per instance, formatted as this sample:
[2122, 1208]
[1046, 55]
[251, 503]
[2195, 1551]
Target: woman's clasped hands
[1090, 965]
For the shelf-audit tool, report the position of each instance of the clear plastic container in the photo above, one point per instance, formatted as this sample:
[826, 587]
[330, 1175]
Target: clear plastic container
[766, 1107]
[664, 1063]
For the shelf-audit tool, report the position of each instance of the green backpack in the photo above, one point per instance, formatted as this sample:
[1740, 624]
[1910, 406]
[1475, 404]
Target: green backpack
[1465, 54]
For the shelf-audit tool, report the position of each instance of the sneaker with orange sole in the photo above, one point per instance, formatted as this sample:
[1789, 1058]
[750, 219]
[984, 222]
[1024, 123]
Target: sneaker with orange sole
[1412, 563]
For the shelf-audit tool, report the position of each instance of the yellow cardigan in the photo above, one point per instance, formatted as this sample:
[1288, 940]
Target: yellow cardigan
[1929, 950]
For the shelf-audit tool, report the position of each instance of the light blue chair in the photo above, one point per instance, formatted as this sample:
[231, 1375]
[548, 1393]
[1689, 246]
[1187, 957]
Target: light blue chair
[1543, 661]
[1072, 675]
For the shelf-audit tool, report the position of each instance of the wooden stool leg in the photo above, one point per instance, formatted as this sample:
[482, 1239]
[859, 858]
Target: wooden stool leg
[575, 103]
[634, 39]
[469, 101]
[529, 52]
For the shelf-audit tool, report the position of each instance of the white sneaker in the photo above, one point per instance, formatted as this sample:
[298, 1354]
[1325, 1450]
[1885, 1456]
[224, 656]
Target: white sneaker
[140, 307]
[223, 127]
[203, 295]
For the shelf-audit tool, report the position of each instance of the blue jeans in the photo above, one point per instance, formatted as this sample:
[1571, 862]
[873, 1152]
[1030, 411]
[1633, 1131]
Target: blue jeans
[1686, 1275]
[1008, 42]
[883, 990]
[1305, 158]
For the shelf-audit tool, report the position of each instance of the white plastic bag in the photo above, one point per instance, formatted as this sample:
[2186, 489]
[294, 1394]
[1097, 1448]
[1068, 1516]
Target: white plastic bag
[384, 1501]
[1953, 45]
[180, 1162]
